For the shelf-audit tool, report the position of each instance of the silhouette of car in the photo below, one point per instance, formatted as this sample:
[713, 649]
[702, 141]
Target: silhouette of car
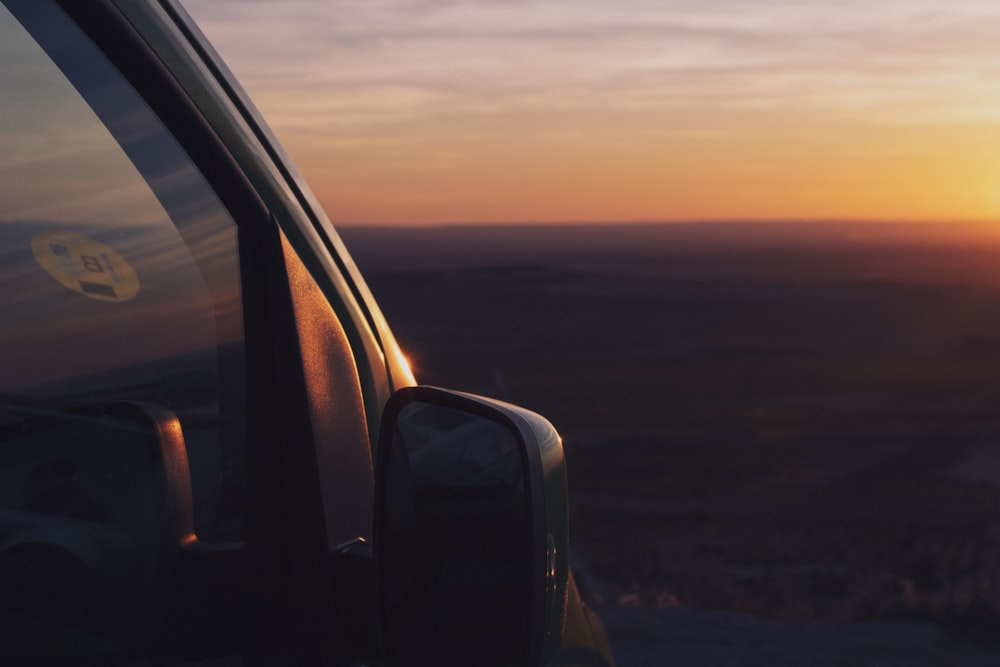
[211, 448]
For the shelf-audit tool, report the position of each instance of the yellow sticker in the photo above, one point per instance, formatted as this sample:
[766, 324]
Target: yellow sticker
[85, 266]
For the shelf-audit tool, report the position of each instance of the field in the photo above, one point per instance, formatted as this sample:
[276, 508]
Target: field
[799, 423]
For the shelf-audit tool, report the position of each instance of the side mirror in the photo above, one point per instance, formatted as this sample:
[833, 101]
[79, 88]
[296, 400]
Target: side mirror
[471, 532]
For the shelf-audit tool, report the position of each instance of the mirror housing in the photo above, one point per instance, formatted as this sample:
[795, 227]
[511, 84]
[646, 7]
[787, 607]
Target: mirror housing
[471, 532]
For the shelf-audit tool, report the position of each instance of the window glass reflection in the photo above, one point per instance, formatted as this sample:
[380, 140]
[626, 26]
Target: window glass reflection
[119, 260]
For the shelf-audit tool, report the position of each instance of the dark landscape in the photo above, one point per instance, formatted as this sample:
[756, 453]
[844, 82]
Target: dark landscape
[764, 423]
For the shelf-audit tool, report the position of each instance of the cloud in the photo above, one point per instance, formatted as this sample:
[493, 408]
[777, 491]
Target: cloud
[369, 63]
[377, 96]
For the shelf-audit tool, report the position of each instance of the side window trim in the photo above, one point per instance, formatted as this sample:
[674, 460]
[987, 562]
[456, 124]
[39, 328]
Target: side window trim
[201, 72]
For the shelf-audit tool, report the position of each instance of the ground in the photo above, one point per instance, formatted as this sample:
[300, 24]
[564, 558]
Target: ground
[781, 441]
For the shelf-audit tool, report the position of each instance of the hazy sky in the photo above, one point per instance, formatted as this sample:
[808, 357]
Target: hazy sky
[426, 111]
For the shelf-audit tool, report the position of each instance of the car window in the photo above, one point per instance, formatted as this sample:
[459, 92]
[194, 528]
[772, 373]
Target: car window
[122, 330]
[122, 281]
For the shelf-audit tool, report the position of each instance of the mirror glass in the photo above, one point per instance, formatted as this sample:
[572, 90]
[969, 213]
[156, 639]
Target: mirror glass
[455, 544]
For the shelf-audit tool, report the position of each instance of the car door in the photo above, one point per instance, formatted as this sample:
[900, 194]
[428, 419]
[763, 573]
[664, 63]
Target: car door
[183, 433]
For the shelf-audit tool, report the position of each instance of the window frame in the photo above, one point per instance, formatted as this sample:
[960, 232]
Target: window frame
[174, 36]
[264, 575]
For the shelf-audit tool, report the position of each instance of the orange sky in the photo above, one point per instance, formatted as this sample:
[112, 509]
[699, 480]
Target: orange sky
[434, 111]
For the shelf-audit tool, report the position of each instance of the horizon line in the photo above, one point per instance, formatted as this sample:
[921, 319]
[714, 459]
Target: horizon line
[667, 222]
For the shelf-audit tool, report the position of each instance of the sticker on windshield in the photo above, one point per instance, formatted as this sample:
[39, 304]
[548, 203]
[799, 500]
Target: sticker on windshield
[85, 266]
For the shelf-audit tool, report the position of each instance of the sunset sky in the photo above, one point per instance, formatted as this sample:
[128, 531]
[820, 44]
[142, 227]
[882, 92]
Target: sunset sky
[435, 111]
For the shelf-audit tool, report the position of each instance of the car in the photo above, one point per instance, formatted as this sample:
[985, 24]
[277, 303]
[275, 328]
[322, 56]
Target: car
[212, 449]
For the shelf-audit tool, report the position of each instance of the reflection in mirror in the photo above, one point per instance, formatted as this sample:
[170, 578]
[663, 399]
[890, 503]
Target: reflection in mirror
[455, 552]
[87, 525]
